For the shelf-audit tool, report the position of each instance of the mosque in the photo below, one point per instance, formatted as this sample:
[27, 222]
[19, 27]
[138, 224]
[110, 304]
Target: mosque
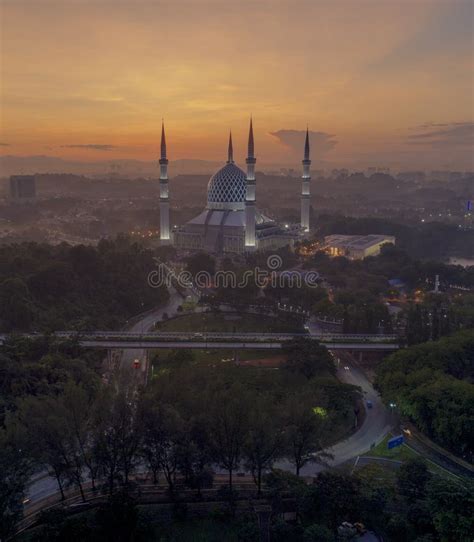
[231, 222]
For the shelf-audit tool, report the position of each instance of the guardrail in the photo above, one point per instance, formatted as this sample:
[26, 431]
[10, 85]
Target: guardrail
[143, 489]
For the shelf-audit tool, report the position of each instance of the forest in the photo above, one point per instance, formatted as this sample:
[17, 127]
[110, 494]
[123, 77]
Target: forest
[432, 384]
[46, 288]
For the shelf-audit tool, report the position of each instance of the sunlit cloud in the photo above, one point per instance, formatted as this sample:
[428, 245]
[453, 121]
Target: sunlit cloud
[320, 142]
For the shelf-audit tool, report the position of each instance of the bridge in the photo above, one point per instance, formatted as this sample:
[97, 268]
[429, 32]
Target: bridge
[212, 340]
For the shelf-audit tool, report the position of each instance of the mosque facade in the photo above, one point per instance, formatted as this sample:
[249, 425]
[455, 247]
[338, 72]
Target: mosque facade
[231, 221]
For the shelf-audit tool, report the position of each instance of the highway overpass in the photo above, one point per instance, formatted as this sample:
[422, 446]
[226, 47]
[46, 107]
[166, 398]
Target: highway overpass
[202, 340]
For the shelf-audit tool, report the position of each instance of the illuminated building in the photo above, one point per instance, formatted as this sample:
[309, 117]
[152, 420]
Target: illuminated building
[356, 247]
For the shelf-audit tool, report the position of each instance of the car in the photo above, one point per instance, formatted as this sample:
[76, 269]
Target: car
[369, 404]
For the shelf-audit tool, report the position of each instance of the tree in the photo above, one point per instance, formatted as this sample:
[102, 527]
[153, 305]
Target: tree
[15, 468]
[117, 436]
[307, 357]
[201, 262]
[431, 384]
[412, 477]
[318, 533]
[55, 525]
[264, 441]
[332, 499]
[163, 437]
[195, 455]
[452, 509]
[55, 287]
[117, 519]
[47, 437]
[228, 428]
[151, 442]
[303, 432]
[17, 310]
[75, 407]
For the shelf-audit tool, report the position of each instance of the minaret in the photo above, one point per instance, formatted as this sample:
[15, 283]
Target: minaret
[250, 242]
[164, 194]
[305, 191]
[230, 152]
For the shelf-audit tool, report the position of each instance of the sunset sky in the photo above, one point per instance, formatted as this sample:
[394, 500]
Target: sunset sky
[378, 82]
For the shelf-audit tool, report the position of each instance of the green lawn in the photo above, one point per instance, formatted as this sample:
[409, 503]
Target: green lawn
[163, 361]
[229, 323]
[403, 453]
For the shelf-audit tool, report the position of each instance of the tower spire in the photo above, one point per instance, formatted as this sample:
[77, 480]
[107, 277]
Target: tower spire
[306, 145]
[251, 145]
[230, 152]
[163, 140]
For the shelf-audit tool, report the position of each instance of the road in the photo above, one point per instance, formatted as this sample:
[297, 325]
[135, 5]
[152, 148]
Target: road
[375, 426]
[43, 485]
[145, 324]
[377, 422]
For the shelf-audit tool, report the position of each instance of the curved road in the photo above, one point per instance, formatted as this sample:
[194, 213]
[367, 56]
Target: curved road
[375, 426]
[377, 422]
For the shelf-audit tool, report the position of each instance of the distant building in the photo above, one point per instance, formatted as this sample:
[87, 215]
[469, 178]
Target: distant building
[356, 247]
[23, 188]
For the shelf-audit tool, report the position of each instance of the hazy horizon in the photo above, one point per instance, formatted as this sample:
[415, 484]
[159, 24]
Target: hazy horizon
[379, 83]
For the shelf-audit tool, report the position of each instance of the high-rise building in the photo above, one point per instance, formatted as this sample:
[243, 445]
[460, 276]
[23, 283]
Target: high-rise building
[23, 188]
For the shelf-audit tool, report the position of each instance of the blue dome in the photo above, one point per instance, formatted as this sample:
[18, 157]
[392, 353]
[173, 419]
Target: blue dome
[226, 188]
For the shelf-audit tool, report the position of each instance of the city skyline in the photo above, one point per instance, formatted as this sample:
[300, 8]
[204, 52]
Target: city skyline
[388, 83]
